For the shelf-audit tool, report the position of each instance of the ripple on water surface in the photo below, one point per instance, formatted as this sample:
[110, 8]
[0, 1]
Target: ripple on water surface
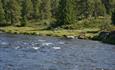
[43, 53]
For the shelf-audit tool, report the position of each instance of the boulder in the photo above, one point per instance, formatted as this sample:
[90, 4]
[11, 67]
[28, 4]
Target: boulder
[82, 36]
[112, 34]
[69, 37]
[103, 35]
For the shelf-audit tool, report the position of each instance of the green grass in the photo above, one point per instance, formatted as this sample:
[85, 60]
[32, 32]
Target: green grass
[91, 28]
[57, 33]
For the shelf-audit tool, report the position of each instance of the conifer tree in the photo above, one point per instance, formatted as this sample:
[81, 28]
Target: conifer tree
[67, 14]
[99, 9]
[27, 8]
[112, 5]
[54, 7]
[36, 9]
[113, 17]
[15, 12]
[70, 12]
[26, 11]
[2, 14]
[6, 8]
[46, 9]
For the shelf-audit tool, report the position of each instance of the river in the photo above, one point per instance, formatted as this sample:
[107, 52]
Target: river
[26, 52]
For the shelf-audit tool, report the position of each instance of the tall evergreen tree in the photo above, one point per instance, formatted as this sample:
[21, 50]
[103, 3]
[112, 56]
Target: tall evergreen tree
[67, 14]
[27, 8]
[2, 14]
[36, 8]
[15, 12]
[26, 11]
[82, 8]
[54, 7]
[113, 17]
[112, 5]
[99, 8]
[7, 11]
[46, 9]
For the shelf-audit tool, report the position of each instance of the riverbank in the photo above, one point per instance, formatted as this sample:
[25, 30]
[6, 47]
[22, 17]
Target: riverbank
[106, 37]
[85, 33]
[91, 34]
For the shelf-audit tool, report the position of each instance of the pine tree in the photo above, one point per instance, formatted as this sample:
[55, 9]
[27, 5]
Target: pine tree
[67, 14]
[70, 12]
[26, 12]
[7, 11]
[2, 14]
[112, 5]
[99, 9]
[27, 8]
[36, 9]
[91, 7]
[15, 12]
[46, 9]
[113, 17]
[54, 7]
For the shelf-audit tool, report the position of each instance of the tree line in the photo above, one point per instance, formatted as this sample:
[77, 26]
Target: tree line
[19, 12]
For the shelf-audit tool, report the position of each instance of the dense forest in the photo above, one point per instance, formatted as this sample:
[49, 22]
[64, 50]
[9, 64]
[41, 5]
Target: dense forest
[20, 12]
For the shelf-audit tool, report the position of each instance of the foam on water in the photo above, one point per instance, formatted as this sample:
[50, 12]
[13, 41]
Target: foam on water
[47, 44]
[4, 43]
[36, 48]
[61, 43]
[56, 48]
[40, 40]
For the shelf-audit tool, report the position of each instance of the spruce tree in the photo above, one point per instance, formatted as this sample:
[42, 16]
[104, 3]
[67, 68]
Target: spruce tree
[113, 17]
[85, 8]
[36, 8]
[27, 8]
[7, 11]
[99, 9]
[112, 5]
[70, 12]
[15, 12]
[67, 14]
[26, 11]
[46, 9]
[54, 7]
[82, 8]
[2, 14]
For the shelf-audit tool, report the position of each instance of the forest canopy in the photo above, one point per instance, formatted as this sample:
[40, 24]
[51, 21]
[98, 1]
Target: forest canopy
[20, 12]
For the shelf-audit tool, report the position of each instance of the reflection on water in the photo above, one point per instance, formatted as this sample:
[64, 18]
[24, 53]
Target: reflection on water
[25, 52]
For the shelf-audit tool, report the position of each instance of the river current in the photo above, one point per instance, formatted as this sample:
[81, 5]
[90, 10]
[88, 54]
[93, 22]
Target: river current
[26, 52]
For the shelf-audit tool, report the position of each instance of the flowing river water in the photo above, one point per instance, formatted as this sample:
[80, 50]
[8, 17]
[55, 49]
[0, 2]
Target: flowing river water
[26, 52]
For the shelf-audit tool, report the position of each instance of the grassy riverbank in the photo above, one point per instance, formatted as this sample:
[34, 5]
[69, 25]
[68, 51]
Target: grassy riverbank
[85, 29]
[89, 33]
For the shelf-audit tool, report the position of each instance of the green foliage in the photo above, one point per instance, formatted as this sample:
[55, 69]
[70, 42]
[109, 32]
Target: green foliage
[99, 8]
[67, 14]
[27, 8]
[36, 9]
[113, 17]
[15, 12]
[23, 21]
[54, 8]
[2, 14]
[46, 9]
